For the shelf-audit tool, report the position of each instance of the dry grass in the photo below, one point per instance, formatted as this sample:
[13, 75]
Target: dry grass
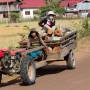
[9, 33]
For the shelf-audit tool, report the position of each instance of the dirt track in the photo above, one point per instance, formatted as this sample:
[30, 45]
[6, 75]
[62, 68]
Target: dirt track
[57, 77]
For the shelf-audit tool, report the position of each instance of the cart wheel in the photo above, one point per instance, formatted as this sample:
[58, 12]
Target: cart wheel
[0, 77]
[28, 71]
[70, 60]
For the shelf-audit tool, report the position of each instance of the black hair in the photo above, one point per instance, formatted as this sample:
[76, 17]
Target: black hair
[51, 15]
[31, 32]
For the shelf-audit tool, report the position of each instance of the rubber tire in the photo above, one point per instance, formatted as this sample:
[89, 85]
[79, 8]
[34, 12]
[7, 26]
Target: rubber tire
[70, 60]
[24, 69]
[0, 77]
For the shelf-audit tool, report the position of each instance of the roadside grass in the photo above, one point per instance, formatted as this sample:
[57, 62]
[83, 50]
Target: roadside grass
[84, 33]
[10, 34]
[86, 28]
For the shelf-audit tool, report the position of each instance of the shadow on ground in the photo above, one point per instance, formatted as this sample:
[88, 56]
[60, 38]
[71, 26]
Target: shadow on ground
[51, 69]
[11, 82]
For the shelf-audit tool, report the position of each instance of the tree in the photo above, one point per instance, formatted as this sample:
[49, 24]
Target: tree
[50, 1]
[14, 16]
[52, 6]
[18, 0]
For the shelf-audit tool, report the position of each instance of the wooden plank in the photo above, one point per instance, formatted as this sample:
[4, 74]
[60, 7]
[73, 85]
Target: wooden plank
[41, 64]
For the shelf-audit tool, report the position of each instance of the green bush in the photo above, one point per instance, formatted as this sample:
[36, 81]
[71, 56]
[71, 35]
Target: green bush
[85, 23]
[85, 29]
[52, 6]
[84, 33]
[14, 16]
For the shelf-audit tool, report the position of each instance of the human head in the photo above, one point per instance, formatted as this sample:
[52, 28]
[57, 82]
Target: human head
[33, 33]
[51, 15]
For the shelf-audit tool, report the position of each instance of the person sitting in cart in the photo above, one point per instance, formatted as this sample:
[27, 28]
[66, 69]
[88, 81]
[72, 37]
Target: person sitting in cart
[34, 41]
[49, 28]
[48, 21]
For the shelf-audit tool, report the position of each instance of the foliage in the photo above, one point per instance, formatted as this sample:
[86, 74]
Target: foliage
[52, 6]
[18, 0]
[84, 33]
[85, 23]
[85, 29]
[14, 16]
[49, 1]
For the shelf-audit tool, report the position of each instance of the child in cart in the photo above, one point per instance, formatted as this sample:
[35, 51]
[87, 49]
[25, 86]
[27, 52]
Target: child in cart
[34, 40]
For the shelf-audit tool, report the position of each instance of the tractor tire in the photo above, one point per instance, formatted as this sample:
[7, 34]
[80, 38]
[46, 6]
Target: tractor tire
[0, 77]
[70, 60]
[27, 71]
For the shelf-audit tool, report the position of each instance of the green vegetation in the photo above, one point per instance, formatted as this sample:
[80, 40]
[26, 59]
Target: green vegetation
[85, 23]
[49, 1]
[14, 17]
[85, 28]
[52, 6]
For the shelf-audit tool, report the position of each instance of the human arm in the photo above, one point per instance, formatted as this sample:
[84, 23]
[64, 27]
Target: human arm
[47, 27]
[29, 43]
[42, 42]
[45, 23]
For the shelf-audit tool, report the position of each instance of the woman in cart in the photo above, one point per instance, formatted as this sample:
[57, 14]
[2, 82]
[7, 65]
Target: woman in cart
[48, 22]
[49, 30]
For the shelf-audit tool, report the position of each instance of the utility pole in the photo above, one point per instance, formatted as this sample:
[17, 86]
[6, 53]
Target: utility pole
[8, 10]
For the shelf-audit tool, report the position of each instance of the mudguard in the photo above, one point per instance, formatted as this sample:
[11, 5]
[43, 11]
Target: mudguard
[1, 54]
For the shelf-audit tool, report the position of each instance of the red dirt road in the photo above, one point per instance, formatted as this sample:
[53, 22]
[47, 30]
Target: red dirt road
[57, 77]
